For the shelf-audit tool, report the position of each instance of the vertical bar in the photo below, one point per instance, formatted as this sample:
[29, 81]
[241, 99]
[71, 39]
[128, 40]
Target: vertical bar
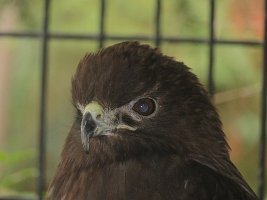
[211, 48]
[263, 113]
[42, 125]
[157, 23]
[102, 23]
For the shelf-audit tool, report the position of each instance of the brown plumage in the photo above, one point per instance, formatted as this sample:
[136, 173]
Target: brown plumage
[145, 129]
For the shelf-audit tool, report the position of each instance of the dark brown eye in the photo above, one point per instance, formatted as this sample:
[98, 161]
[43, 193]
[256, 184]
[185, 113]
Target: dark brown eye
[145, 106]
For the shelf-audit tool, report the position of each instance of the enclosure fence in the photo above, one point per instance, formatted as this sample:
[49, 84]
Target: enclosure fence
[45, 36]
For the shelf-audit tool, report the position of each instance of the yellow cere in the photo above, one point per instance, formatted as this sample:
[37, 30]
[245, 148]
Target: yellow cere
[95, 109]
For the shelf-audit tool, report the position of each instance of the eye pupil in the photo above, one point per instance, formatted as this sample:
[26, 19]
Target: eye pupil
[145, 106]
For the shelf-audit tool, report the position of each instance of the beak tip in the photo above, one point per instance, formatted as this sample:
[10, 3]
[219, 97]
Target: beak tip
[86, 147]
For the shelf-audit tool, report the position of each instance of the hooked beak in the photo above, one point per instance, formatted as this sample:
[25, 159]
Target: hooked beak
[92, 113]
[96, 123]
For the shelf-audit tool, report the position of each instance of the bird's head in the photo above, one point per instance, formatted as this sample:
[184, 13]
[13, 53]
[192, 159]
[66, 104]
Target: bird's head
[134, 101]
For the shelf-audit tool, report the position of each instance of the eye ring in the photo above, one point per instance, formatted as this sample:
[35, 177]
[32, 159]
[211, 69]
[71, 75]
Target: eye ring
[144, 106]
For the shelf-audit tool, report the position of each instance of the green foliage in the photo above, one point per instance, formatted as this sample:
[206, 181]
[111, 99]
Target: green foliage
[16, 171]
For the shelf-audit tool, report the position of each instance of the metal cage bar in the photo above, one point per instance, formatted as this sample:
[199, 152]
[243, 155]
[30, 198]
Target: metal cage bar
[157, 23]
[42, 126]
[211, 86]
[262, 150]
[15, 198]
[147, 38]
[102, 23]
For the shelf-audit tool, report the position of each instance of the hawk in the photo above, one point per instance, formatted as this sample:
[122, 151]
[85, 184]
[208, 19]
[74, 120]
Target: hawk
[145, 129]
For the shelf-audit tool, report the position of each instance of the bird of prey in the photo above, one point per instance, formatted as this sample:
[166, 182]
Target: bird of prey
[145, 129]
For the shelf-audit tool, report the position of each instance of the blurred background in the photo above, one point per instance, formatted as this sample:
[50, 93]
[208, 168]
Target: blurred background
[237, 72]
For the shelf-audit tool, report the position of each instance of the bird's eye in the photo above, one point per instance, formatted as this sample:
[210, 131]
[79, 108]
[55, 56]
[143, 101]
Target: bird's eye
[145, 106]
